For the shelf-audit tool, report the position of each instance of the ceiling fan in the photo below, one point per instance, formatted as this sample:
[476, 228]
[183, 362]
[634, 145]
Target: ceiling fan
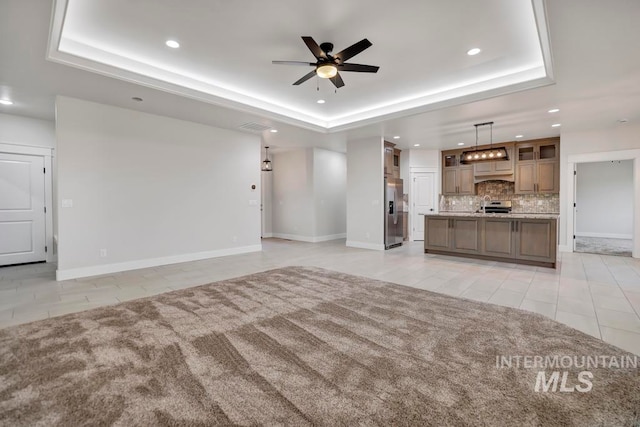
[327, 65]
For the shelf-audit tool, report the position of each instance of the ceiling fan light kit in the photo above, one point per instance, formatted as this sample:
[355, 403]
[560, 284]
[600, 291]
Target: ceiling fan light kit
[327, 71]
[328, 66]
[490, 154]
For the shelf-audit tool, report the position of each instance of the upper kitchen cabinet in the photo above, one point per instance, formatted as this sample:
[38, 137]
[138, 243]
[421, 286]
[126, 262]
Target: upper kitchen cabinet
[391, 160]
[538, 166]
[498, 168]
[457, 179]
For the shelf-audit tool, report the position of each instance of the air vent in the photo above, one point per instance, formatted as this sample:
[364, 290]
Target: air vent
[254, 127]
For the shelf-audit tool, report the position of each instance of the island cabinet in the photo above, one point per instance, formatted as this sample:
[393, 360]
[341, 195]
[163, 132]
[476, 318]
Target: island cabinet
[459, 234]
[520, 240]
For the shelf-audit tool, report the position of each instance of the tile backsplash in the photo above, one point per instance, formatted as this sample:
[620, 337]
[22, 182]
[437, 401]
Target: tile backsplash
[502, 190]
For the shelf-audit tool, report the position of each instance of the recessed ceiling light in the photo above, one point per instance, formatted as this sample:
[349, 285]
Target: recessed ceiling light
[519, 136]
[623, 120]
[320, 101]
[460, 143]
[396, 137]
[274, 131]
[556, 125]
[172, 44]
[554, 110]
[137, 99]
[473, 51]
[6, 102]
[416, 145]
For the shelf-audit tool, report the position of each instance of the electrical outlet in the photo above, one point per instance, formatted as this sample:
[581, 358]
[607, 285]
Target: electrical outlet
[103, 253]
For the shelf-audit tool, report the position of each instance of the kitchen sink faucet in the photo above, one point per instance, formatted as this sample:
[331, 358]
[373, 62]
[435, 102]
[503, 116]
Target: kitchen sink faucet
[484, 203]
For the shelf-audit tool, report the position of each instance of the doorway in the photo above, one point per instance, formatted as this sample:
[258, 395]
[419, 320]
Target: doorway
[423, 201]
[22, 209]
[604, 198]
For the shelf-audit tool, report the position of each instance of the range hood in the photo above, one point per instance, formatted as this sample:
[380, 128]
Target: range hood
[508, 177]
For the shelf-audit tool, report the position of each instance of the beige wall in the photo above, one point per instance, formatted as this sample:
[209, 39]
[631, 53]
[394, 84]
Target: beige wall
[150, 190]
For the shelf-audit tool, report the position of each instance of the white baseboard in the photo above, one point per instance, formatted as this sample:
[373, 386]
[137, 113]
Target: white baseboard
[366, 245]
[328, 237]
[310, 239]
[96, 270]
[267, 235]
[605, 235]
[565, 248]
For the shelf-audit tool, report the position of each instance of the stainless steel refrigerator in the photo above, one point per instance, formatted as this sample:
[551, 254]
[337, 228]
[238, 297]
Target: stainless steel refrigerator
[393, 212]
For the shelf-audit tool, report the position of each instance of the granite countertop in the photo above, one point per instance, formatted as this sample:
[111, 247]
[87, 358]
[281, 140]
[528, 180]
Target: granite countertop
[499, 215]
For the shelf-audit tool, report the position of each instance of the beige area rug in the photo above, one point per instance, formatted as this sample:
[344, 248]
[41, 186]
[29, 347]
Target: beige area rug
[305, 346]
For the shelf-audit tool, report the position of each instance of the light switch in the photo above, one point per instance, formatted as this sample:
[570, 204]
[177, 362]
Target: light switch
[67, 203]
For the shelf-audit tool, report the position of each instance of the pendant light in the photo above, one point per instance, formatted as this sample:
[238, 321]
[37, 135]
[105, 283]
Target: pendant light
[490, 154]
[266, 163]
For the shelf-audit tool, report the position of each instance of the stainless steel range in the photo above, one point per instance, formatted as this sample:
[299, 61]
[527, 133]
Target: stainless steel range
[497, 206]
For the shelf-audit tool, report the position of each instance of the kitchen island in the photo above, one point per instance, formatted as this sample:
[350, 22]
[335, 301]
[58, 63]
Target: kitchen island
[512, 237]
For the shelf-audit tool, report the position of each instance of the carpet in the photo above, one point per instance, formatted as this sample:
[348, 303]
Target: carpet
[307, 346]
[604, 246]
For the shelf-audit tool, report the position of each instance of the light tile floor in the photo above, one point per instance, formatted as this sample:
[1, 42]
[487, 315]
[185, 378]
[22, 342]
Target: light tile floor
[597, 294]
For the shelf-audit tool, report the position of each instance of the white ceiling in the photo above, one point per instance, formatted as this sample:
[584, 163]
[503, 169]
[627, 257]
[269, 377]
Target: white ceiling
[222, 75]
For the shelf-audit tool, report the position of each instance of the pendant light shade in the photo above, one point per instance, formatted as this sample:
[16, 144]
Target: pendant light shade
[490, 154]
[266, 163]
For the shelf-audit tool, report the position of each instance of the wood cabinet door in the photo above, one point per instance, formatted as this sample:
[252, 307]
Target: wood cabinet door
[449, 183]
[436, 233]
[484, 168]
[548, 177]
[498, 237]
[388, 160]
[525, 178]
[465, 180]
[505, 166]
[466, 235]
[536, 240]
[548, 151]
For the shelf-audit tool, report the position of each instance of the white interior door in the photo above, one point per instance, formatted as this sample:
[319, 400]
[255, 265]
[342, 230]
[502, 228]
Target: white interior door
[22, 216]
[424, 187]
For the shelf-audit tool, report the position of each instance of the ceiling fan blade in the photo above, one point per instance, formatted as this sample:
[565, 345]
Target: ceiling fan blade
[352, 50]
[305, 77]
[314, 48]
[358, 68]
[337, 81]
[293, 63]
